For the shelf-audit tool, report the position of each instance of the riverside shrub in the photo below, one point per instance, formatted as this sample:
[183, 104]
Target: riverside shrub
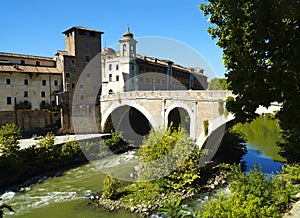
[251, 195]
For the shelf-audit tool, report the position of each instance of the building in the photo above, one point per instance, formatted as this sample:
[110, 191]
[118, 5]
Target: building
[127, 71]
[49, 92]
[28, 85]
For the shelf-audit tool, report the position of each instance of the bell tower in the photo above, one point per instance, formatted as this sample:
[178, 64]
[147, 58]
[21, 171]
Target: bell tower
[128, 45]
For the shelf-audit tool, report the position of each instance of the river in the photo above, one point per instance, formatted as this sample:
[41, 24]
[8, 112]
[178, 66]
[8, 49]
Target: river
[65, 194]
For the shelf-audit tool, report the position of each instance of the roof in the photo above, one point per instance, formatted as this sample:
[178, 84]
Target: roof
[29, 69]
[128, 33]
[25, 56]
[64, 53]
[81, 28]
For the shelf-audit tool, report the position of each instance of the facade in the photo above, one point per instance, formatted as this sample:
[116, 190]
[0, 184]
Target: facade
[127, 71]
[41, 92]
[28, 85]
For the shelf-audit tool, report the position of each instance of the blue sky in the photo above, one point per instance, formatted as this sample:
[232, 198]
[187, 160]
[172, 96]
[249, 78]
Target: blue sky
[35, 27]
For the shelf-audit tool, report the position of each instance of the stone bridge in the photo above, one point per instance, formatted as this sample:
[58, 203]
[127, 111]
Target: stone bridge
[135, 113]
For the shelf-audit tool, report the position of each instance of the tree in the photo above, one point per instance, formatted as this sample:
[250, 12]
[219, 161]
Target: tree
[218, 84]
[9, 136]
[261, 47]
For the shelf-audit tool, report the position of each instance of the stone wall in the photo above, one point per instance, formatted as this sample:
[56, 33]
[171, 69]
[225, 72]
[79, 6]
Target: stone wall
[31, 119]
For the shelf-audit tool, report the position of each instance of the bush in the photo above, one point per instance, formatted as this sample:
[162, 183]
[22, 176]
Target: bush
[205, 126]
[251, 195]
[171, 155]
[113, 142]
[9, 136]
[140, 193]
[110, 186]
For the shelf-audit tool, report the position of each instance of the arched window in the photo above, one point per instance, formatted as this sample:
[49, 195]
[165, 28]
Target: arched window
[110, 92]
[124, 49]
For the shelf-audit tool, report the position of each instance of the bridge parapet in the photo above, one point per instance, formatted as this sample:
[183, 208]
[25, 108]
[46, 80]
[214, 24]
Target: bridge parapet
[207, 95]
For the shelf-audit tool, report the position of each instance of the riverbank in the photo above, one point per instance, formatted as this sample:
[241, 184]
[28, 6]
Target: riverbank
[47, 156]
[212, 179]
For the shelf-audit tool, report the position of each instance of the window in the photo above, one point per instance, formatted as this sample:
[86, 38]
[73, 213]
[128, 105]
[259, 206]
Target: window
[38, 63]
[8, 82]
[73, 85]
[87, 59]
[8, 100]
[81, 97]
[109, 67]
[44, 82]
[23, 62]
[73, 62]
[117, 78]
[43, 94]
[147, 69]
[55, 83]
[141, 68]
[124, 48]
[110, 92]
[25, 94]
[117, 67]
[88, 75]
[81, 86]
[87, 46]
[26, 82]
[43, 103]
[67, 74]
[132, 67]
[110, 77]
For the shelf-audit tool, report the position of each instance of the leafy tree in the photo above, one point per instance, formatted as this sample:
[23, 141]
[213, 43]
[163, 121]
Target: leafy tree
[261, 47]
[9, 136]
[218, 84]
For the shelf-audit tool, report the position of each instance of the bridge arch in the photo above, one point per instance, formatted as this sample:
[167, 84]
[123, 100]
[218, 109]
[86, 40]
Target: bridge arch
[125, 108]
[184, 108]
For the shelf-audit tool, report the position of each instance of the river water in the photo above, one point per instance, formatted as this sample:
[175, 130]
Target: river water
[66, 193]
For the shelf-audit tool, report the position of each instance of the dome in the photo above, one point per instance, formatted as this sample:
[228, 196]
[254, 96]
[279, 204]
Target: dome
[128, 33]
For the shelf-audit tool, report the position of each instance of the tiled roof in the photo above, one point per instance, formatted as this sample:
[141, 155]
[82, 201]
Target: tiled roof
[29, 69]
[25, 56]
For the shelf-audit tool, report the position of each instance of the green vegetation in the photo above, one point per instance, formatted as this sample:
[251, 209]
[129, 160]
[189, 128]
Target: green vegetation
[110, 186]
[205, 126]
[218, 84]
[174, 209]
[261, 64]
[169, 168]
[9, 136]
[220, 107]
[252, 195]
[18, 164]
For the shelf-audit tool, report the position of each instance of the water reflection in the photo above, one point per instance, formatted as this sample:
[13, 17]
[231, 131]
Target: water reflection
[262, 135]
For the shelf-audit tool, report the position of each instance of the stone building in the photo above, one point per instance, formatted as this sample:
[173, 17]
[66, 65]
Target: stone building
[45, 92]
[28, 86]
[128, 71]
